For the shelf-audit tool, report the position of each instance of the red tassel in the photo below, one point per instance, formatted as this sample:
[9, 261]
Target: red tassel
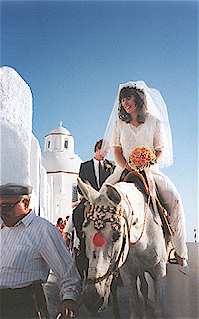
[99, 240]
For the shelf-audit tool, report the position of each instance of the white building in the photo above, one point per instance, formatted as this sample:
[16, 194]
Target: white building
[62, 166]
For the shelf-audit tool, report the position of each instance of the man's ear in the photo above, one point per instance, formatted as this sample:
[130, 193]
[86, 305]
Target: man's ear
[26, 202]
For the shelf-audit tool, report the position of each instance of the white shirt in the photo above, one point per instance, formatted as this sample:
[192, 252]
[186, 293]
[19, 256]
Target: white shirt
[29, 250]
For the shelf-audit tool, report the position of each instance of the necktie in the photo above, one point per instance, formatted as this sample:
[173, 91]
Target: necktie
[100, 174]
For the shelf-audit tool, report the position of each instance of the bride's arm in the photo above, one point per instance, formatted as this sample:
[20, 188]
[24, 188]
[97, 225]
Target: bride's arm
[158, 140]
[119, 158]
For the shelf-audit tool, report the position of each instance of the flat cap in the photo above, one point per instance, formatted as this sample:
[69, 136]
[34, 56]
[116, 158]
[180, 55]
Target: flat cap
[12, 189]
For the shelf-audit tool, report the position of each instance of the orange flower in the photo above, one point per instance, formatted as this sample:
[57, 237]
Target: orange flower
[142, 157]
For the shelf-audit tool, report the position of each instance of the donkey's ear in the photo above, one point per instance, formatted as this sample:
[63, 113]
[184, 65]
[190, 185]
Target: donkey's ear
[113, 194]
[88, 191]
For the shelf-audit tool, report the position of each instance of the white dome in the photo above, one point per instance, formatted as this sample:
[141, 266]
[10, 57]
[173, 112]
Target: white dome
[59, 152]
[59, 130]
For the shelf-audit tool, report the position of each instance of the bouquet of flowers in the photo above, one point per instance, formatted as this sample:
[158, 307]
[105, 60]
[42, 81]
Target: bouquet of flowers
[142, 157]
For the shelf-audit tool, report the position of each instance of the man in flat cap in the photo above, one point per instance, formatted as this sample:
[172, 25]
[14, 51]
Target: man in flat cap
[30, 247]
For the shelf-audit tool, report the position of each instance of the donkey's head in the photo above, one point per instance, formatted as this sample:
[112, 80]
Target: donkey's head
[106, 238]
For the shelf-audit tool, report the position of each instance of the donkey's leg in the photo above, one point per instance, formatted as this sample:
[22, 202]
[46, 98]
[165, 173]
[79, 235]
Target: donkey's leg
[144, 288]
[159, 276]
[114, 292]
[159, 288]
[148, 304]
[135, 302]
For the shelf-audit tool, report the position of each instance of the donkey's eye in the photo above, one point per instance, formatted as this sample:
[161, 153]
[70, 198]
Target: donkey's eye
[85, 223]
[116, 235]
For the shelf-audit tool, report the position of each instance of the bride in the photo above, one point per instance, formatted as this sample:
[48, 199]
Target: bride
[139, 118]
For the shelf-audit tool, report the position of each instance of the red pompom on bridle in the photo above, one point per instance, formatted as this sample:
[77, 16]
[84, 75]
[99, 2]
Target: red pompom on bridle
[99, 240]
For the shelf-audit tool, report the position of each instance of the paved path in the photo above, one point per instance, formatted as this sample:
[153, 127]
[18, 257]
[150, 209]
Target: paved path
[183, 293]
[51, 292]
[107, 313]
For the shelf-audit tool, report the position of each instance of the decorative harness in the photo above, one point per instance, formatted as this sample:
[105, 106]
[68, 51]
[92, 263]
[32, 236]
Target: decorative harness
[100, 221]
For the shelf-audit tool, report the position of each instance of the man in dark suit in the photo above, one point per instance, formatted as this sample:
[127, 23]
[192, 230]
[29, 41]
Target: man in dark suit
[96, 170]
[93, 172]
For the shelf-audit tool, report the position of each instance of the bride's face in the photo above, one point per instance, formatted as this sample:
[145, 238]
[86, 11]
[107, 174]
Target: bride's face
[128, 104]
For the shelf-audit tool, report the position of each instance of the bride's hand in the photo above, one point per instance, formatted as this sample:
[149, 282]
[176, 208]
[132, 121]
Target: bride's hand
[158, 154]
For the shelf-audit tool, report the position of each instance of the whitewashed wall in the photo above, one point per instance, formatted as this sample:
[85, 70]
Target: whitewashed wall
[60, 185]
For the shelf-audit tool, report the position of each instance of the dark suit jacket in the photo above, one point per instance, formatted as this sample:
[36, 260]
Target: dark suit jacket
[87, 172]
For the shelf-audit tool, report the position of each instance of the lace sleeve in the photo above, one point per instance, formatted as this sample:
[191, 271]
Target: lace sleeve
[158, 137]
[116, 134]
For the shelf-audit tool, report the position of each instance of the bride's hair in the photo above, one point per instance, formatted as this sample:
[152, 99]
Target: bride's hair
[139, 101]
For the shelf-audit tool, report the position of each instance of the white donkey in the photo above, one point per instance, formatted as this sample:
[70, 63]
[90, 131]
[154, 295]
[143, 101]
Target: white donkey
[122, 232]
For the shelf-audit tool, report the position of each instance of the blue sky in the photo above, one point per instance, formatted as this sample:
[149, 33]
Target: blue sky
[74, 54]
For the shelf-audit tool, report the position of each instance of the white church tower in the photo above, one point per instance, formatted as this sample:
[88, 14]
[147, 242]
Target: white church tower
[62, 166]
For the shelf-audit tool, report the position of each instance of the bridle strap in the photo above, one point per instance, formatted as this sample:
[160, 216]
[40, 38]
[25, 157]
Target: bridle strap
[113, 268]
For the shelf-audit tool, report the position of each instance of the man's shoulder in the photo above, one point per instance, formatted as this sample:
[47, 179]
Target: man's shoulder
[40, 228]
[42, 222]
[86, 163]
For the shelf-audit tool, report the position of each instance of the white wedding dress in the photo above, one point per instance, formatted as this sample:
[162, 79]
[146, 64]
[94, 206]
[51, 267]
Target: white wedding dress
[149, 134]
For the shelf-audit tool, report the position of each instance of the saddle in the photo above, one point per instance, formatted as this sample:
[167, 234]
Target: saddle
[141, 182]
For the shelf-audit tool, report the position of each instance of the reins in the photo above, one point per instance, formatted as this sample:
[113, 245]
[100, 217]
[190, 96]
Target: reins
[144, 223]
[113, 268]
